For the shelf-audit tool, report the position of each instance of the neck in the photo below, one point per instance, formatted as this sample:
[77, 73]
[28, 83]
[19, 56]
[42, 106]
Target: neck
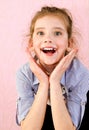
[47, 68]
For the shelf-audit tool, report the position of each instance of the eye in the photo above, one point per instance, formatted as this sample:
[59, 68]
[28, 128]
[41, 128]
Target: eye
[57, 33]
[40, 33]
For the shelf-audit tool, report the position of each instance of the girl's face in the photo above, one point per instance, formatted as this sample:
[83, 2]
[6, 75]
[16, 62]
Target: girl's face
[50, 39]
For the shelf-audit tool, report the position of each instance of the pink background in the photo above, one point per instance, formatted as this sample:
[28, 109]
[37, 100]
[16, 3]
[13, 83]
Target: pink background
[15, 17]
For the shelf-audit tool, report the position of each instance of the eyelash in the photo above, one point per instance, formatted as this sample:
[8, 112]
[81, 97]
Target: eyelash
[56, 33]
[40, 33]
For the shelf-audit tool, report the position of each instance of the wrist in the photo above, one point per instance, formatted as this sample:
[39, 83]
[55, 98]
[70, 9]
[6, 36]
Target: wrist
[54, 82]
[44, 84]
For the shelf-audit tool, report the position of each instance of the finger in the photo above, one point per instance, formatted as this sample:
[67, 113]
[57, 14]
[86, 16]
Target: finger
[65, 62]
[70, 56]
[62, 66]
[30, 53]
[35, 67]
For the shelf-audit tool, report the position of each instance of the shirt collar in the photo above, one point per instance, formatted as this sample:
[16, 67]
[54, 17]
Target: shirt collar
[35, 80]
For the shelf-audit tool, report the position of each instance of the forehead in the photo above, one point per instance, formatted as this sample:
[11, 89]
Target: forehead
[50, 21]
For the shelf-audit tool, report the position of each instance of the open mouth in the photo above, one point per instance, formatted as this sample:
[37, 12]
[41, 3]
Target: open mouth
[48, 50]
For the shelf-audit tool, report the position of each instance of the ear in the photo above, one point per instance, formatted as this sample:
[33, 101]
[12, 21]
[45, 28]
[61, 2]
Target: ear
[30, 44]
[31, 47]
[70, 45]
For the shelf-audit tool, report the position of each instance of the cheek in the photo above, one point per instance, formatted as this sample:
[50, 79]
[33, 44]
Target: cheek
[36, 46]
[63, 44]
[36, 41]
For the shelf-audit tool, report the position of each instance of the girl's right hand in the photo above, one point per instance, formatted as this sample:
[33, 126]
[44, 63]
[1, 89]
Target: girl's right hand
[36, 69]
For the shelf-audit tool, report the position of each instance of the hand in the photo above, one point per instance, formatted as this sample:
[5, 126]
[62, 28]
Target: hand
[35, 67]
[62, 66]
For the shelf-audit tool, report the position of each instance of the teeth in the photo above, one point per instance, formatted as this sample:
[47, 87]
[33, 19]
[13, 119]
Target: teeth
[49, 49]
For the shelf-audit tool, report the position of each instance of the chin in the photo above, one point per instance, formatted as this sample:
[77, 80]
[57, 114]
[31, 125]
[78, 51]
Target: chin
[51, 63]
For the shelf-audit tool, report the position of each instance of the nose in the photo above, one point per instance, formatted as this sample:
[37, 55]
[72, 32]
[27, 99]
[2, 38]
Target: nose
[47, 40]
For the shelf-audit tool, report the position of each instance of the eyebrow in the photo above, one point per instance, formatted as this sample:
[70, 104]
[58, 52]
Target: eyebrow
[39, 28]
[59, 28]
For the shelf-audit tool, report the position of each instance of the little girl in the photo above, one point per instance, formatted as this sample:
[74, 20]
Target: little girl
[52, 87]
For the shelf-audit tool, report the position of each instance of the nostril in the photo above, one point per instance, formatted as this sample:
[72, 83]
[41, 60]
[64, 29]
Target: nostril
[47, 41]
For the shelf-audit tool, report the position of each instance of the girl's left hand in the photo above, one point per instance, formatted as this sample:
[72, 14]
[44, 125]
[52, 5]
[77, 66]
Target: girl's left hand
[62, 66]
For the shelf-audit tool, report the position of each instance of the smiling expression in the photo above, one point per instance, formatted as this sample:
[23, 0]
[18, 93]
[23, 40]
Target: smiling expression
[50, 39]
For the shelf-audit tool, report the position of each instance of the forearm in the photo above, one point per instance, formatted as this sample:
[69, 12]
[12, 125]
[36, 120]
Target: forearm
[34, 119]
[61, 117]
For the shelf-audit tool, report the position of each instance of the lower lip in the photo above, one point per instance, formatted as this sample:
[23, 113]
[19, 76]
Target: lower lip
[48, 54]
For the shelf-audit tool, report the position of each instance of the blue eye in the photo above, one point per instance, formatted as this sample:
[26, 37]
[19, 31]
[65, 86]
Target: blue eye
[58, 33]
[40, 33]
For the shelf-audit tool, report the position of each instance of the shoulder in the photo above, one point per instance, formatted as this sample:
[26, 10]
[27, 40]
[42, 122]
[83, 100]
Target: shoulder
[77, 72]
[77, 68]
[24, 71]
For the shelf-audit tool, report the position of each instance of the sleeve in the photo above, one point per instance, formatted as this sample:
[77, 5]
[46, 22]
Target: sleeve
[25, 95]
[77, 99]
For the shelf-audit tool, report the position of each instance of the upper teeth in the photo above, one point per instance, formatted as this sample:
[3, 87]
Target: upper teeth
[49, 49]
